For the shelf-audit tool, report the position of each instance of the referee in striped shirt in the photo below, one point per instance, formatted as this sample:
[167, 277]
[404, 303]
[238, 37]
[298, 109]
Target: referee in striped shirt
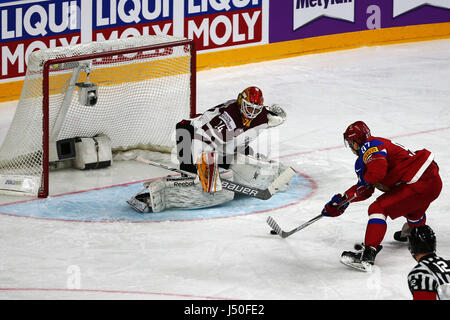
[430, 278]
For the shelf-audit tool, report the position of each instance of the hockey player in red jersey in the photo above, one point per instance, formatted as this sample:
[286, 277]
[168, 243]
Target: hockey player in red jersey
[409, 181]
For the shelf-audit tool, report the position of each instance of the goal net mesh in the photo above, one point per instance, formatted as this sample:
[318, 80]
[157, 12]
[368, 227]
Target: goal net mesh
[141, 97]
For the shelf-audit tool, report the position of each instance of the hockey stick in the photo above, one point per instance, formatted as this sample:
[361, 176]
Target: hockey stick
[284, 234]
[265, 194]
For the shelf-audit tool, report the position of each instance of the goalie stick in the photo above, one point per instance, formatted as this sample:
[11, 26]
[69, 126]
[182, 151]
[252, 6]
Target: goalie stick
[284, 234]
[263, 194]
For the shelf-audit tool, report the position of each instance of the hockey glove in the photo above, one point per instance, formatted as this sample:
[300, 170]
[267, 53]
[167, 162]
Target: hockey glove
[334, 207]
[275, 115]
[359, 192]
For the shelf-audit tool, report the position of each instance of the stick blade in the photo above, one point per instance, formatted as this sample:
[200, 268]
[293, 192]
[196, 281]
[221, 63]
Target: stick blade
[274, 225]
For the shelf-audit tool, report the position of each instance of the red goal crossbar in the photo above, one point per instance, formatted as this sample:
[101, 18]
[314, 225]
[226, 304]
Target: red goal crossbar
[44, 190]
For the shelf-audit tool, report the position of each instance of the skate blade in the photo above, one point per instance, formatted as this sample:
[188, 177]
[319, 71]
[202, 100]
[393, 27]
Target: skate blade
[358, 265]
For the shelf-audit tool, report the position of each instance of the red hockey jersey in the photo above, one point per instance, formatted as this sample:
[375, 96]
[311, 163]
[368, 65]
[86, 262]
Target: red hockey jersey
[388, 164]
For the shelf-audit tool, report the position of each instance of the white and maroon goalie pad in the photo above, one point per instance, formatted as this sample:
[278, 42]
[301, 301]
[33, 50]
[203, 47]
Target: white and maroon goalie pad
[259, 173]
[182, 192]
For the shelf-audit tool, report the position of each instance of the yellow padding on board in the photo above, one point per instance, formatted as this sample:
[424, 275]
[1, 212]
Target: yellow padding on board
[11, 90]
[327, 43]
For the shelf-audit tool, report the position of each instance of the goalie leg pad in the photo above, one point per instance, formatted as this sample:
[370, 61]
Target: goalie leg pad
[156, 192]
[258, 172]
[192, 195]
[178, 192]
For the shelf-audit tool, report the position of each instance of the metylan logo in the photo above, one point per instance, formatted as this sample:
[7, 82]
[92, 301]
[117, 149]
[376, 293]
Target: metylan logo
[306, 11]
[402, 6]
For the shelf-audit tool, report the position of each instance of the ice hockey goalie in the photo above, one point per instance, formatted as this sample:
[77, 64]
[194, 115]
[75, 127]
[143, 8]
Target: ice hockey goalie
[213, 146]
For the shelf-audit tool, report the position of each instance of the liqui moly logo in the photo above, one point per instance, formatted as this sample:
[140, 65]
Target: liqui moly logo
[113, 19]
[38, 19]
[29, 25]
[402, 6]
[218, 23]
[306, 11]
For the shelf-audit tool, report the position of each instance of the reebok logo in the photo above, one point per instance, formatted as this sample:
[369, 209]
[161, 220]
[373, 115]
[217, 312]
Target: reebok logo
[306, 11]
[184, 184]
[228, 120]
[402, 6]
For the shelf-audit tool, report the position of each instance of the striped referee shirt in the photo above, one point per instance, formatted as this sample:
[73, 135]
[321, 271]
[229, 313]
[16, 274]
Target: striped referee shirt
[431, 274]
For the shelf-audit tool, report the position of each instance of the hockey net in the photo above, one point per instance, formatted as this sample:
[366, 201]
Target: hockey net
[145, 86]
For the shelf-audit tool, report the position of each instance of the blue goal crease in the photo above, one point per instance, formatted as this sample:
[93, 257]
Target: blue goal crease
[109, 204]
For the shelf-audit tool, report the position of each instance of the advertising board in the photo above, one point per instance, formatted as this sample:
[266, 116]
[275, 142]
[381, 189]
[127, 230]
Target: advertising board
[226, 32]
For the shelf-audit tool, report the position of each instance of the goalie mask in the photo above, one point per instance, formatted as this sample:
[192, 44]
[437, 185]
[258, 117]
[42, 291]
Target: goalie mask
[251, 102]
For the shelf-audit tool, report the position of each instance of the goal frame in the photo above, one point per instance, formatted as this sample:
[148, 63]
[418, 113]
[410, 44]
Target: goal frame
[44, 190]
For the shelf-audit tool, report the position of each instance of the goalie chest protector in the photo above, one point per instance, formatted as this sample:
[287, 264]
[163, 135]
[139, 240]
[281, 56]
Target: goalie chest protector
[93, 153]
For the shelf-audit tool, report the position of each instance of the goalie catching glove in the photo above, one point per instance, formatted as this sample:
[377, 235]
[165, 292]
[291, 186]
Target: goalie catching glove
[276, 115]
[208, 172]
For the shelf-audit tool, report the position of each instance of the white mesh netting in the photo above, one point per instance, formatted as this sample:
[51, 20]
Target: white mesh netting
[141, 96]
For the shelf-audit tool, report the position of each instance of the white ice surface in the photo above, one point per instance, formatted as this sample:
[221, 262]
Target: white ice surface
[400, 91]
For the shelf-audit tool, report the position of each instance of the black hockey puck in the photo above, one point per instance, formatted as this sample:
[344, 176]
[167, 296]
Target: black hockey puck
[273, 232]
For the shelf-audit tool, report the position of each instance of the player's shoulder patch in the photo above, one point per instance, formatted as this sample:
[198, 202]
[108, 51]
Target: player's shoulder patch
[370, 148]
[369, 152]
[228, 120]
